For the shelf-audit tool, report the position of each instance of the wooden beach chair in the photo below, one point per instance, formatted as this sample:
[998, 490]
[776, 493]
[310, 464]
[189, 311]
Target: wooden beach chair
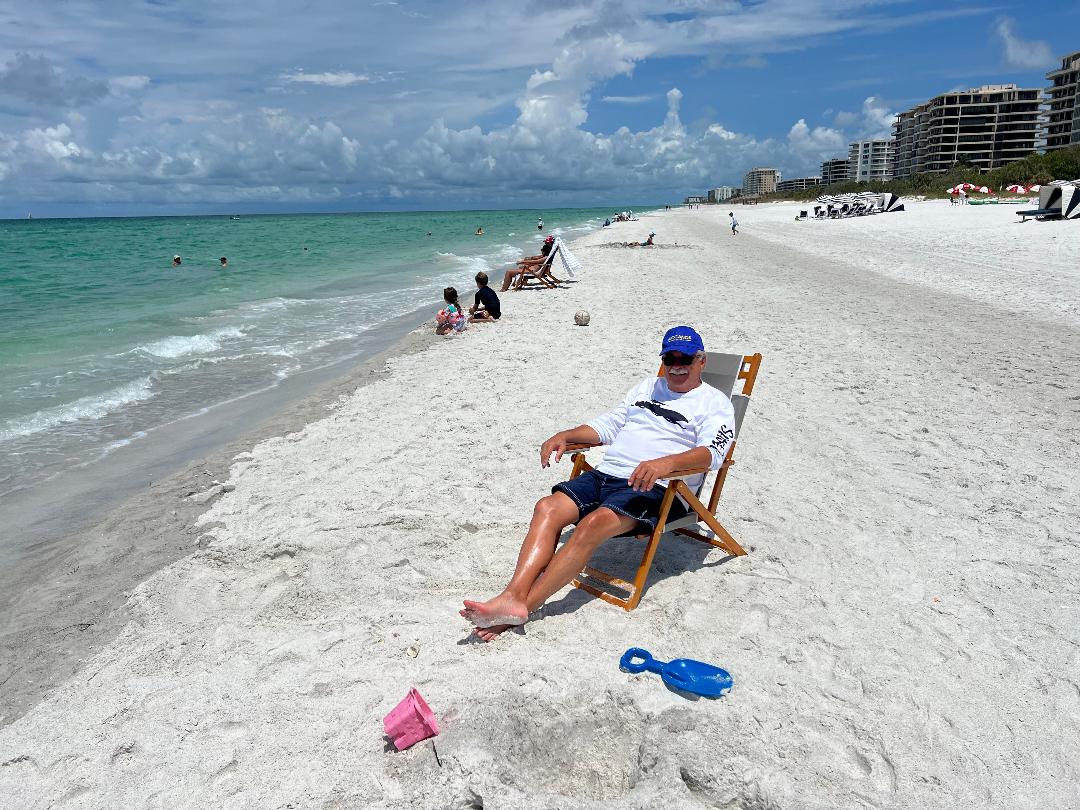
[734, 375]
[538, 276]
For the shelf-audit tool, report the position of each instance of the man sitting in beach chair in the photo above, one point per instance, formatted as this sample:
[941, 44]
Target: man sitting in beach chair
[665, 424]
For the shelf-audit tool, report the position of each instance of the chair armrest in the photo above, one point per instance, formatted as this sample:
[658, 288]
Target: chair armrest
[575, 447]
[687, 472]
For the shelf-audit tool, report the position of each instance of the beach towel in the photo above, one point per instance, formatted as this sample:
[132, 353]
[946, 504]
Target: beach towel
[571, 264]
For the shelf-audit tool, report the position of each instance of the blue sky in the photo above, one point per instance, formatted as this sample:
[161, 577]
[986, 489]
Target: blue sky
[175, 106]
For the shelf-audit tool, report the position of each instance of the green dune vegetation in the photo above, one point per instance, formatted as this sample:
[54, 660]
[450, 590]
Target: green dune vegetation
[1061, 164]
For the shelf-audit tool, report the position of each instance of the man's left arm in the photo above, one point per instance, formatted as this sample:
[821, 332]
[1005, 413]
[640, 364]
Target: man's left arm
[647, 473]
[714, 437]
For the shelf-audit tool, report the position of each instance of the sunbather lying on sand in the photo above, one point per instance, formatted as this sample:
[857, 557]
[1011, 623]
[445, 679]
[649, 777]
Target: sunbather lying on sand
[665, 423]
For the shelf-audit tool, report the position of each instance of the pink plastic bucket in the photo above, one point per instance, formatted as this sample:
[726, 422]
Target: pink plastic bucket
[410, 721]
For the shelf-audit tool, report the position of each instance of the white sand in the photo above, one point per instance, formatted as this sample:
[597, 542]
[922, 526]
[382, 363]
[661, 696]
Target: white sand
[904, 633]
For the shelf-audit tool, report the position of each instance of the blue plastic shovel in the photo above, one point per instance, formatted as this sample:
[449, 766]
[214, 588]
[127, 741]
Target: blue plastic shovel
[682, 673]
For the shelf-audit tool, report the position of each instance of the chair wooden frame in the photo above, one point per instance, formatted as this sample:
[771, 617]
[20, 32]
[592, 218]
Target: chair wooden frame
[541, 275]
[688, 526]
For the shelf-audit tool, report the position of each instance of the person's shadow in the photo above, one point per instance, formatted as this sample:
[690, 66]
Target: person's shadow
[621, 556]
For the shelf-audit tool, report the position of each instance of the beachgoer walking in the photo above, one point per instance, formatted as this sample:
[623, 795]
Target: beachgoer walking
[665, 423]
[734, 223]
[486, 305]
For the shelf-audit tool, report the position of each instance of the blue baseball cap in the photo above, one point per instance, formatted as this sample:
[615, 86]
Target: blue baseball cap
[682, 339]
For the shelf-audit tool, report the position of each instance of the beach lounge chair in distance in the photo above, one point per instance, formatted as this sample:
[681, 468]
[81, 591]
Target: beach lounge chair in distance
[734, 375]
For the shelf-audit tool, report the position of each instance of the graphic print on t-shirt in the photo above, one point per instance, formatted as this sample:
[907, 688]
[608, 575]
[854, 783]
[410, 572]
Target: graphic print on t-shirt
[665, 413]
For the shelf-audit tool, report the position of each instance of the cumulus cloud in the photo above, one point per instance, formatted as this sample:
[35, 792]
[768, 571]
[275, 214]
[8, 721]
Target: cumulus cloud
[1030, 54]
[53, 142]
[36, 79]
[873, 120]
[473, 114]
[343, 79]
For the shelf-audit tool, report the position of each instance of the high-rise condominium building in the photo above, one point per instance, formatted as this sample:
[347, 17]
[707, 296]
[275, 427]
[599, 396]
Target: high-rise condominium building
[798, 184]
[1063, 122]
[760, 181]
[721, 193]
[870, 161]
[837, 170]
[988, 126]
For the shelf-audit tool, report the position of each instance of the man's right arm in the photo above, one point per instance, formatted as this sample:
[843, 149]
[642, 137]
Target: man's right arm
[557, 444]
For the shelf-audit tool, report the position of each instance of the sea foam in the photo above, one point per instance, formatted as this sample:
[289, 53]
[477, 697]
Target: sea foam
[87, 408]
[180, 345]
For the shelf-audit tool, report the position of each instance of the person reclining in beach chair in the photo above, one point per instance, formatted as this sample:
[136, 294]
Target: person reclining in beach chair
[529, 263]
[539, 274]
[665, 424]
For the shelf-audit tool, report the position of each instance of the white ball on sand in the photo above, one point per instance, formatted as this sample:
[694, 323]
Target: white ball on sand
[581, 318]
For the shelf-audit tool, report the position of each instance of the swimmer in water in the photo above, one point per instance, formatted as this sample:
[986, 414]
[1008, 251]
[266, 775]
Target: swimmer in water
[479, 231]
[224, 262]
[176, 260]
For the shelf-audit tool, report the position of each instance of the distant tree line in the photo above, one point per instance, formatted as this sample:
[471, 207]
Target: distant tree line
[1060, 164]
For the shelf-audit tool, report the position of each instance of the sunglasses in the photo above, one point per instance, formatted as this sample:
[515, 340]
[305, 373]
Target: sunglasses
[674, 359]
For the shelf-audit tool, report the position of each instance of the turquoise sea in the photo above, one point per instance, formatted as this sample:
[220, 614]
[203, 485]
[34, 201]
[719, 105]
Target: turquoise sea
[102, 340]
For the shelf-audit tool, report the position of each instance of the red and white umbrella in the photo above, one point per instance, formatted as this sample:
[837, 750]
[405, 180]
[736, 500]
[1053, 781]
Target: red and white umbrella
[984, 190]
[1035, 187]
[1016, 188]
[960, 187]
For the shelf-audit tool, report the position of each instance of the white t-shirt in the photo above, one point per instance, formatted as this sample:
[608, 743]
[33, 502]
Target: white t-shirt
[654, 421]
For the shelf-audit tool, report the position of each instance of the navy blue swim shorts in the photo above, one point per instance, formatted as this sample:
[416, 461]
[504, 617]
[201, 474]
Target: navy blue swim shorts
[593, 489]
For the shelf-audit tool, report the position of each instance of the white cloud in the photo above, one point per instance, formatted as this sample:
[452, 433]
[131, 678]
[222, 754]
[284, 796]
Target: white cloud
[457, 107]
[1020, 53]
[820, 141]
[343, 79]
[127, 84]
[52, 141]
[873, 120]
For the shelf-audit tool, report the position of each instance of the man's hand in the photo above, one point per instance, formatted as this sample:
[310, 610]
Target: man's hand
[557, 445]
[647, 473]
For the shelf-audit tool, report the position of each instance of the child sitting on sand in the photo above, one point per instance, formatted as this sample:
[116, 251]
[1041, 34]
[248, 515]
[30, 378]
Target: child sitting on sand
[451, 319]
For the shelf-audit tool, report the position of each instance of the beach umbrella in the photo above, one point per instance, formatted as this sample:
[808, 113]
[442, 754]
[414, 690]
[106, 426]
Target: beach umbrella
[960, 187]
[1035, 187]
[984, 190]
[1016, 188]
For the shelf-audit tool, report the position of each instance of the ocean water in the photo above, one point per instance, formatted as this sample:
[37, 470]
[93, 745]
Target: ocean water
[102, 340]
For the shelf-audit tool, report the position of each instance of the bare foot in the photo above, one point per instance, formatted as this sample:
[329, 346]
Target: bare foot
[503, 609]
[490, 633]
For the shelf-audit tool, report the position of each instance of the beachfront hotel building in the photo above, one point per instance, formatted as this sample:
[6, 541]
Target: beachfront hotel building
[837, 170]
[1063, 118]
[721, 193]
[988, 126]
[798, 184]
[870, 161]
[760, 180]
